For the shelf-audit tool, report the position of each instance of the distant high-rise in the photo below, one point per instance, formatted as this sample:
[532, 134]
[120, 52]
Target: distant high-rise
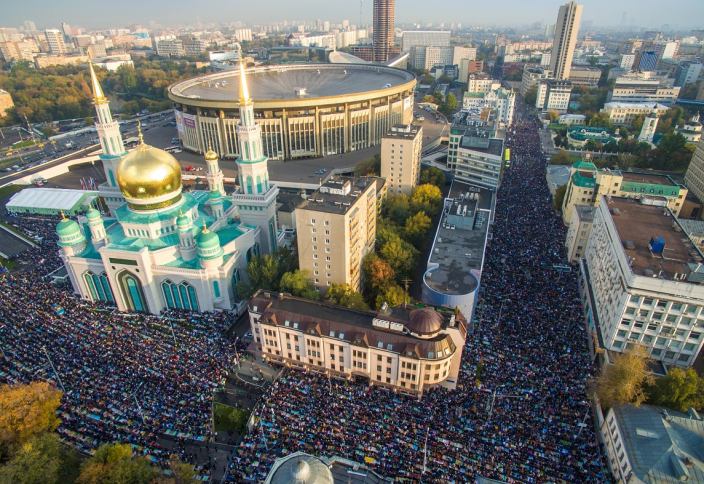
[55, 40]
[383, 37]
[566, 29]
[29, 26]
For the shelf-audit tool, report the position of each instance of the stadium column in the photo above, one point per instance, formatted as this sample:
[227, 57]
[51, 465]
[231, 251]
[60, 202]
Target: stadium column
[284, 126]
[318, 132]
[221, 134]
[348, 128]
[199, 132]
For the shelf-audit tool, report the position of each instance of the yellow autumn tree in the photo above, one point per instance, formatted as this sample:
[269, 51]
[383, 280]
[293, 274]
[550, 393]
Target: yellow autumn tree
[624, 381]
[27, 410]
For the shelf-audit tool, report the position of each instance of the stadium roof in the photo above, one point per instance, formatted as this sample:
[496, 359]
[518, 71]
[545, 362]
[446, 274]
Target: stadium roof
[48, 198]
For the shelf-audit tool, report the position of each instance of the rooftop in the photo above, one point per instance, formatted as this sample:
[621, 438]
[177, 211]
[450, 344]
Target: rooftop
[496, 146]
[648, 178]
[281, 82]
[458, 252]
[403, 131]
[559, 174]
[337, 195]
[637, 222]
[663, 445]
[585, 213]
[622, 105]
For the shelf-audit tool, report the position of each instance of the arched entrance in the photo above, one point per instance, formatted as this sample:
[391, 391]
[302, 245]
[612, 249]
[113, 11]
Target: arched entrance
[132, 292]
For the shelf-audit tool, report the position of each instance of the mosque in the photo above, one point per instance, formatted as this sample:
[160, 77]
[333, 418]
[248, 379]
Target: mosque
[159, 247]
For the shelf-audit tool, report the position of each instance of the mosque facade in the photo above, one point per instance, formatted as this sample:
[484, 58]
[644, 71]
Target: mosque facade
[158, 247]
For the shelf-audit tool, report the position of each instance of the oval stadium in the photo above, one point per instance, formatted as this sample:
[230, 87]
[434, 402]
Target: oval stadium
[308, 110]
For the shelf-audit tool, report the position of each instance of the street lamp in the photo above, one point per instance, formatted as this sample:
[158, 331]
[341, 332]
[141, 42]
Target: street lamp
[53, 368]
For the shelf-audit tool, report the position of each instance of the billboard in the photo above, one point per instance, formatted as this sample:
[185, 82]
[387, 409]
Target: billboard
[189, 120]
[179, 120]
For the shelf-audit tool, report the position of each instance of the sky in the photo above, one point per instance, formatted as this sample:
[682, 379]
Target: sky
[92, 14]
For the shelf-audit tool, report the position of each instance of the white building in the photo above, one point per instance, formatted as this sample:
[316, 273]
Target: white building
[626, 61]
[531, 77]
[327, 40]
[623, 114]
[566, 30]
[481, 83]
[55, 41]
[400, 157]
[501, 100]
[641, 281]
[438, 38]
[163, 248]
[640, 89]
[650, 124]
[242, 34]
[553, 94]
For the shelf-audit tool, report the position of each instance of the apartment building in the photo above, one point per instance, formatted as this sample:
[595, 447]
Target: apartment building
[578, 232]
[481, 83]
[566, 30]
[585, 76]
[400, 157]
[641, 281]
[553, 94]
[623, 114]
[409, 350]
[531, 77]
[694, 178]
[170, 47]
[474, 155]
[587, 185]
[5, 102]
[19, 50]
[336, 228]
[55, 41]
[410, 38]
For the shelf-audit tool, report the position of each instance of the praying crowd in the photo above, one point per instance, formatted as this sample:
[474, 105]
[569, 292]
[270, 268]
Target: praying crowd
[516, 414]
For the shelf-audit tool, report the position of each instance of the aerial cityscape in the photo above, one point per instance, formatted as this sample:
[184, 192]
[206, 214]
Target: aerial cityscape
[355, 243]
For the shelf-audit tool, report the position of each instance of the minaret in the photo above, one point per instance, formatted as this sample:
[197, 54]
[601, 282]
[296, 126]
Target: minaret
[257, 197]
[650, 124]
[111, 141]
[214, 174]
[97, 228]
[187, 245]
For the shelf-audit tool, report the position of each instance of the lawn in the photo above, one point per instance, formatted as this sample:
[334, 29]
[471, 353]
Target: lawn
[8, 264]
[230, 418]
[10, 189]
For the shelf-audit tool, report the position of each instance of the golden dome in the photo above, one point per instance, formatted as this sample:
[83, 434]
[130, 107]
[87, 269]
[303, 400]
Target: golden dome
[211, 156]
[147, 176]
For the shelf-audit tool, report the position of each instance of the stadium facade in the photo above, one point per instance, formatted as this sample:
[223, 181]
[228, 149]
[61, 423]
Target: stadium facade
[303, 110]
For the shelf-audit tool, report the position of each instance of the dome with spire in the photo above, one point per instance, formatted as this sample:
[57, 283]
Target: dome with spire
[67, 227]
[182, 220]
[92, 213]
[207, 239]
[300, 468]
[211, 155]
[149, 178]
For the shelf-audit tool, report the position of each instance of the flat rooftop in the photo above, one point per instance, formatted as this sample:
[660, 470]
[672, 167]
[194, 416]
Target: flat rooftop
[322, 200]
[637, 223]
[282, 82]
[496, 146]
[403, 131]
[559, 174]
[585, 212]
[648, 178]
[459, 252]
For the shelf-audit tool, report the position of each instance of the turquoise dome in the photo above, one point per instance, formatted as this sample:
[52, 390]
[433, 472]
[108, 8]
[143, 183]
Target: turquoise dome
[92, 214]
[67, 227]
[182, 221]
[215, 194]
[208, 240]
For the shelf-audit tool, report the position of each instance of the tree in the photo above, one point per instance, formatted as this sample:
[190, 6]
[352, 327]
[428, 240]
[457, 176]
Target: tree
[426, 197]
[428, 99]
[27, 410]
[624, 380]
[637, 123]
[417, 228]
[561, 158]
[590, 145]
[397, 208]
[531, 96]
[181, 473]
[553, 115]
[602, 120]
[344, 295]
[298, 284]
[40, 460]
[559, 198]
[690, 91]
[89, 121]
[450, 104]
[113, 464]
[593, 60]
[48, 131]
[369, 166]
[377, 272]
[266, 272]
[427, 79]
[678, 390]
[393, 295]
[432, 176]
[400, 255]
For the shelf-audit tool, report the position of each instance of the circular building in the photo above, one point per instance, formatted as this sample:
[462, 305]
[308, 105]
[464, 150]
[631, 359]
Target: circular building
[300, 468]
[308, 110]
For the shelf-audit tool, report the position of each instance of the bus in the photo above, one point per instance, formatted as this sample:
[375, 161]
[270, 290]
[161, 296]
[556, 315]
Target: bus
[507, 157]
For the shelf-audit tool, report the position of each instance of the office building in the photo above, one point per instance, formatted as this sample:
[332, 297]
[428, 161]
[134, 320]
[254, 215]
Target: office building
[643, 89]
[29, 26]
[572, 119]
[566, 29]
[405, 349]
[482, 83]
[587, 185]
[95, 51]
[453, 272]
[501, 100]
[55, 41]
[474, 155]
[68, 33]
[336, 228]
[383, 29]
[170, 48]
[652, 444]
[641, 281]
[578, 232]
[302, 468]
[694, 178]
[18, 50]
[626, 61]
[585, 76]
[687, 72]
[469, 67]
[193, 46]
[6, 103]
[437, 38]
[44, 60]
[531, 77]
[429, 56]
[242, 34]
[647, 60]
[553, 94]
[400, 158]
[623, 114]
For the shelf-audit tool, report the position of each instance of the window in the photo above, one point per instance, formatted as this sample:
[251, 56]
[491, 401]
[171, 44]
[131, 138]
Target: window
[312, 221]
[327, 222]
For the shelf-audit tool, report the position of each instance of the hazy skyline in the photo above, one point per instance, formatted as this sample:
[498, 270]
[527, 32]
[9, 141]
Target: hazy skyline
[89, 14]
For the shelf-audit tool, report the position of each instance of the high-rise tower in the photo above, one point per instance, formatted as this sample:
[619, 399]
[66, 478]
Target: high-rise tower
[566, 29]
[256, 201]
[111, 141]
[383, 35]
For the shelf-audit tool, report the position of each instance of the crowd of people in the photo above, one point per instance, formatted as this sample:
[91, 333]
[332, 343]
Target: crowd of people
[130, 378]
[517, 416]
[520, 410]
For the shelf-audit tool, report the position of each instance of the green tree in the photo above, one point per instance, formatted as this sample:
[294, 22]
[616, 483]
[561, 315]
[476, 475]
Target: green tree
[298, 284]
[345, 295]
[393, 295]
[266, 272]
[593, 60]
[428, 99]
[417, 228]
[377, 272]
[590, 145]
[637, 123]
[427, 79]
[561, 158]
[432, 176]
[397, 208]
[678, 390]
[531, 96]
[690, 91]
[369, 166]
[401, 256]
[48, 131]
[559, 198]
[450, 104]
[602, 120]
[37, 461]
[89, 121]
[114, 464]
[553, 115]
[426, 197]
[26, 411]
[624, 380]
